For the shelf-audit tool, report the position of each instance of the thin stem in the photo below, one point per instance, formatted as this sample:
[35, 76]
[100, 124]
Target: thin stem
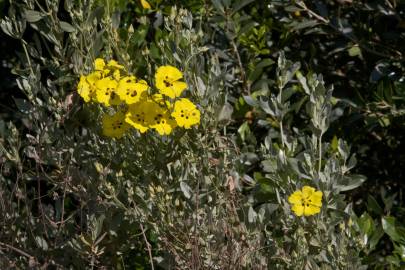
[242, 70]
[279, 100]
[320, 154]
[16, 250]
[319, 17]
[148, 246]
[27, 55]
[282, 133]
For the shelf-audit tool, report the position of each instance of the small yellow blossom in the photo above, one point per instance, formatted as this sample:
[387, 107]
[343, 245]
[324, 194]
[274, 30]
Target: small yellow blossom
[129, 79]
[306, 202]
[86, 87]
[145, 4]
[160, 119]
[137, 115]
[112, 64]
[115, 125]
[167, 81]
[116, 75]
[101, 67]
[93, 77]
[131, 91]
[99, 64]
[106, 92]
[161, 101]
[186, 113]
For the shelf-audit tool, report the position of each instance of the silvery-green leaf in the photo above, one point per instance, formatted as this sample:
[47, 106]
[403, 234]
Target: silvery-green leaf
[33, 15]
[226, 112]
[187, 191]
[67, 27]
[41, 242]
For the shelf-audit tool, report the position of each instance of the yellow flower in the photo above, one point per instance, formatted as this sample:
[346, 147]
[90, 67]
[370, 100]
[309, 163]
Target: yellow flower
[93, 77]
[306, 202]
[86, 87]
[145, 4]
[116, 75]
[99, 64]
[129, 79]
[186, 113]
[106, 92]
[161, 101]
[101, 67]
[160, 120]
[115, 125]
[137, 115]
[112, 64]
[131, 91]
[167, 81]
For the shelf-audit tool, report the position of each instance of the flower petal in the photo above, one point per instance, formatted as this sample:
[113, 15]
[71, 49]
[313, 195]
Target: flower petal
[172, 73]
[145, 4]
[165, 77]
[114, 126]
[296, 197]
[311, 210]
[99, 64]
[307, 191]
[186, 113]
[316, 198]
[298, 209]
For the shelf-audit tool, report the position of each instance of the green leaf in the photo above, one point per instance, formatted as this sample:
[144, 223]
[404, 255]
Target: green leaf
[95, 15]
[218, 6]
[187, 191]
[13, 28]
[201, 87]
[351, 182]
[240, 4]
[115, 20]
[393, 260]
[303, 82]
[304, 24]
[375, 237]
[250, 101]
[265, 106]
[23, 105]
[33, 15]
[252, 215]
[269, 165]
[67, 27]
[400, 250]
[97, 226]
[226, 112]
[365, 223]
[388, 224]
[244, 131]
[41, 242]
[258, 69]
[373, 206]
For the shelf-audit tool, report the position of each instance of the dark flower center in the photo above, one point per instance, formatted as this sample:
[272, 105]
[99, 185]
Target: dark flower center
[117, 125]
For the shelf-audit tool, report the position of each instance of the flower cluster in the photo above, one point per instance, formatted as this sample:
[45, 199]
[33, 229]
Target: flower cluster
[306, 202]
[136, 105]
